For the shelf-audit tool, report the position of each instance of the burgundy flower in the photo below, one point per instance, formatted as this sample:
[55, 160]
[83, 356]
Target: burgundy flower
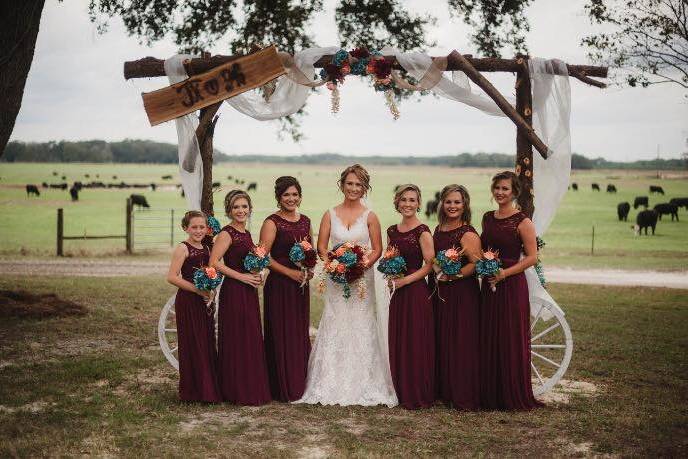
[360, 53]
[354, 273]
[310, 259]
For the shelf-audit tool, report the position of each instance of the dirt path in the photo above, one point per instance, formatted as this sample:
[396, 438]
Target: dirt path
[100, 268]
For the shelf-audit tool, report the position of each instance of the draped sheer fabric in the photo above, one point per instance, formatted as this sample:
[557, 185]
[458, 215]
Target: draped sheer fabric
[551, 115]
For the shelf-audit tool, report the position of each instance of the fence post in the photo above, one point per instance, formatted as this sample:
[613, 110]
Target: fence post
[171, 227]
[60, 232]
[129, 235]
[592, 247]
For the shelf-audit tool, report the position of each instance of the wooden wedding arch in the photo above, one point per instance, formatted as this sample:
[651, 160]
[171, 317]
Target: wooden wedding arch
[551, 341]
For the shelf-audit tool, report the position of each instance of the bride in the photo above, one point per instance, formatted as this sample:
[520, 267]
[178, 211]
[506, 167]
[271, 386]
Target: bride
[349, 364]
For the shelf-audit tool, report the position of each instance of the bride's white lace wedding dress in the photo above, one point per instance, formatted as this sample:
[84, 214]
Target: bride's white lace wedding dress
[347, 365]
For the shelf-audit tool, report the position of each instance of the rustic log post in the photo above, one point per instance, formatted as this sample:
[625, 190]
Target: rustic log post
[60, 232]
[524, 148]
[204, 134]
[129, 236]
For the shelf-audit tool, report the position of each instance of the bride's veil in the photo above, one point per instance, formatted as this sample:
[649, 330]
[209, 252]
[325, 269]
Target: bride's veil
[381, 311]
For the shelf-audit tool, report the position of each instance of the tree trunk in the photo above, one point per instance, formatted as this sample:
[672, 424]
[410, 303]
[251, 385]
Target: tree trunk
[204, 134]
[19, 23]
[524, 149]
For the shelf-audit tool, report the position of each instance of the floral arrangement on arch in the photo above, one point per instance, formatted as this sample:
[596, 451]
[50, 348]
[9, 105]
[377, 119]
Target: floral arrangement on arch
[361, 62]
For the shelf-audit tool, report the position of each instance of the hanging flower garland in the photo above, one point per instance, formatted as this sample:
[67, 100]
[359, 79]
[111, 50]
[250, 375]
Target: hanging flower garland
[360, 62]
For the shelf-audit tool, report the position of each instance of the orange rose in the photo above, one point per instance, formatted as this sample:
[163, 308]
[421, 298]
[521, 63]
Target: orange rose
[490, 255]
[305, 245]
[211, 272]
[340, 251]
[341, 267]
[452, 254]
[260, 251]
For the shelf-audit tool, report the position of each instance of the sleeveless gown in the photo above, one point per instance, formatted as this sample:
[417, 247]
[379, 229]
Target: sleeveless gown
[456, 306]
[411, 327]
[286, 309]
[505, 324]
[243, 371]
[196, 337]
[346, 366]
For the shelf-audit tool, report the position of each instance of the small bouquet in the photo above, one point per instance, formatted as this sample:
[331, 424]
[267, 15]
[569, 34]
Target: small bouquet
[303, 255]
[448, 261]
[488, 265]
[208, 279]
[345, 265]
[256, 260]
[392, 265]
[214, 226]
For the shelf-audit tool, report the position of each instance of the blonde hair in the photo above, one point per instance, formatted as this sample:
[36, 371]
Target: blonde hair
[508, 175]
[446, 191]
[186, 219]
[232, 197]
[404, 188]
[360, 172]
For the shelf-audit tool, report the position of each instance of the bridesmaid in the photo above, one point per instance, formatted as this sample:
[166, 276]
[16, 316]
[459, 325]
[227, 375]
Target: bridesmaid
[411, 328]
[286, 305]
[243, 371]
[457, 305]
[505, 315]
[195, 326]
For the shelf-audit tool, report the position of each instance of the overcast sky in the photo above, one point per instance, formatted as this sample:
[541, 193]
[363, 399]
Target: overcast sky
[76, 91]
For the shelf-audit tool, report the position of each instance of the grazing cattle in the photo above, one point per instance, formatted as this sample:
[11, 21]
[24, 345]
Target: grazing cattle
[595, 187]
[87, 176]
[32, 189]
[153, 186]
[55, 173]
[611, 188]
[679, 202]
[656, 189]
[64, 177]
[242, 182]
[236, 181]
[59, 186]
[139, 200]
[74, 193]
[574, 186]
[646, 219]
[114, 177]
[216, 185]
[622, 210]
[183, 194]
[167, 177]
[666, 208]
[78, 186]
[44, 185]
[640, 201]
[229, 177]
[430, 208]
[252, 186]
[97, 175]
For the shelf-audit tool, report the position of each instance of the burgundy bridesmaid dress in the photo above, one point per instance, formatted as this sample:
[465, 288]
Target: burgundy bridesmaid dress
[286, 309]
[411, 328]
[242, 367]
[505, 324]
[457, 326]
[196, 337]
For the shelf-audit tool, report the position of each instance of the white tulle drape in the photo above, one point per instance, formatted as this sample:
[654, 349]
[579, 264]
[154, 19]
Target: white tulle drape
[551, 114]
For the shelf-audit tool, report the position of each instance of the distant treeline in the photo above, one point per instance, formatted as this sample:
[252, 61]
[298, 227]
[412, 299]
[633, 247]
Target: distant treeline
[147, 151]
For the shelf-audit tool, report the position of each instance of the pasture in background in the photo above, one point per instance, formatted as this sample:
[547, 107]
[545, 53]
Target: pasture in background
[28, 225]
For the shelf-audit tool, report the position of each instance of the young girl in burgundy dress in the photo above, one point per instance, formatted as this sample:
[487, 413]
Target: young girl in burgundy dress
[286, 303]
[243, 371]
[195, 325]
[505, 312]
[456, 302]
[411, 327]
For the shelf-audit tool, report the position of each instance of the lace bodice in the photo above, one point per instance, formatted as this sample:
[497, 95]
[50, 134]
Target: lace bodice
[502, 234]
[357, 233]
[241, 246]
[408, 243]
[196, 259]
[288, 233]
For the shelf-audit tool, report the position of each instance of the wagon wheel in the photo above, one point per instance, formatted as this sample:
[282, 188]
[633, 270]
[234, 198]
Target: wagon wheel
[167, 333]
[550, 349]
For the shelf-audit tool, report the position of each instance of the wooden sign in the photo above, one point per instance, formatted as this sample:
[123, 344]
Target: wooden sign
[220, 83]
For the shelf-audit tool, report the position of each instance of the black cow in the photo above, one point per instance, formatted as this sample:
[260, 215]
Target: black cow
[167, 177]
[114, 177]
[64, 177]
[183, 194]
[646, 219]
[622, 210]
[55, 173]
[153, 186]
[611, 188]
[44, 185]
[139, 200]
[59, 186]
[229, 177]
[656, 189]
[679, 202]
[74, 193]
[640, 201]
[216, 185]
[32, 189]
[574, 186]
[78, 186]
[252, 186]
[431, 208]
[668, 209]
[595, 187]
[87, 176]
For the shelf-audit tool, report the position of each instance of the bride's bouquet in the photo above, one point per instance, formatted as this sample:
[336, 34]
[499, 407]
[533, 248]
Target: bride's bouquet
[303, 255]
[345, 265]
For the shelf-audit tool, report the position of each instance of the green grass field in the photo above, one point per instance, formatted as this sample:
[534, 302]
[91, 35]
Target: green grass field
[28, 224]
[98, 385]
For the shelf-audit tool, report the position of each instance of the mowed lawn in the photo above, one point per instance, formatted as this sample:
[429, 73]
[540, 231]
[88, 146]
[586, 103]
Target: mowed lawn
[97, 384]
[28, 224]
